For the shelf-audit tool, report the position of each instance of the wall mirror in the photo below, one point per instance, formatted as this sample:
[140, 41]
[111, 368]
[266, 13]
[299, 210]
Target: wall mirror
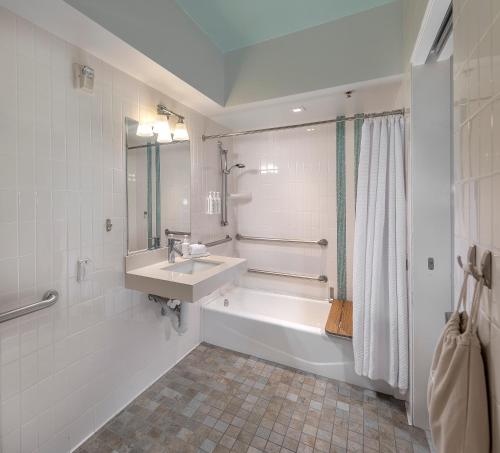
[158, 188]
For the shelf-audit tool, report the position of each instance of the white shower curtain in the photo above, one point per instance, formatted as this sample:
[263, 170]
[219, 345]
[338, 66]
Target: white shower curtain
[380, 319]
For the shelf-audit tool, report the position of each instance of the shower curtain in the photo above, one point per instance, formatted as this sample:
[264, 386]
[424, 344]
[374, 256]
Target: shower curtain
[380, 312]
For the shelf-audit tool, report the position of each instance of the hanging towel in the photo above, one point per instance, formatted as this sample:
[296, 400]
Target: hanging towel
[380, 312]
[456, 396]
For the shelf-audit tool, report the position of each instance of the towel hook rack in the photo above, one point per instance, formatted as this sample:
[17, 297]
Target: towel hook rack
[471, 268]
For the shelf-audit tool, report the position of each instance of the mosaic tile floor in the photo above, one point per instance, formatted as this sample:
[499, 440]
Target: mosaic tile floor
[216, 400]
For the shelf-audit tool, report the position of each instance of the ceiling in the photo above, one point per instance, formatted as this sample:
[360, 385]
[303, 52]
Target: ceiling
[233, 24]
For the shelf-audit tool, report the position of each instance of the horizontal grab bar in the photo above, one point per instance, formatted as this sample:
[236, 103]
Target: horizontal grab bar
[220, 241]
[320, 278]
[177, 233]
[49, 298]
[321, 242]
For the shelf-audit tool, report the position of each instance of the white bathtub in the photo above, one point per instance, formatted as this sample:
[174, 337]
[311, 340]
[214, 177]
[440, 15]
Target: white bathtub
[284, 329]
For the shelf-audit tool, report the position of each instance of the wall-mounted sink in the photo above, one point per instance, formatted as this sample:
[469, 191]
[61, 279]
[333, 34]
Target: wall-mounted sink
[192, 266]
[187, 280]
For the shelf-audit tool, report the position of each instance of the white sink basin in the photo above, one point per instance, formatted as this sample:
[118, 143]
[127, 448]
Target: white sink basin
[187, 279]
[192, 266]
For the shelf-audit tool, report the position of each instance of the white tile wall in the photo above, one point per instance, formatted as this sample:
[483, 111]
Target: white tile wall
[66, 370]
[292, 178]
[477, 169]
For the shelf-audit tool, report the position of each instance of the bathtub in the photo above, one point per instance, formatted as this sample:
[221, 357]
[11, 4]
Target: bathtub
[285, 329]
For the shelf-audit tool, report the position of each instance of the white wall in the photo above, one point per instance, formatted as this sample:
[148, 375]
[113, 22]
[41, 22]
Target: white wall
[476, 71]
[67, 369]
[431, 222]
[365, 46]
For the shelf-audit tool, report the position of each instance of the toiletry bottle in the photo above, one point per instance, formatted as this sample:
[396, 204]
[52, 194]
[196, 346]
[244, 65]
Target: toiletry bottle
[213, 209]
[218, 203]
[210, 203]
[185, 246]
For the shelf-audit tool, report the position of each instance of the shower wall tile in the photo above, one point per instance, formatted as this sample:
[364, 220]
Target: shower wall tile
[65, 370]
[477, 204]
[292, 178]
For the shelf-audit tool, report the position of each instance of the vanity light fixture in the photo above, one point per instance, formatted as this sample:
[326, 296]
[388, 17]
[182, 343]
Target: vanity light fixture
[299, 109]
[161, 127]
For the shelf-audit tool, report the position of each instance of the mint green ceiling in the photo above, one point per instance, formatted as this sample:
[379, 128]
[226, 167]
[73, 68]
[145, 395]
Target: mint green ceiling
[232, 24]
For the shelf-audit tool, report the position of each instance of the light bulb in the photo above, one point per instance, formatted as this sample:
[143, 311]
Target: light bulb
[144, 130]
[180, 131]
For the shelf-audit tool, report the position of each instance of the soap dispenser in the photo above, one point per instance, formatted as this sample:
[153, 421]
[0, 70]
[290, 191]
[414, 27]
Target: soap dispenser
[185, 246]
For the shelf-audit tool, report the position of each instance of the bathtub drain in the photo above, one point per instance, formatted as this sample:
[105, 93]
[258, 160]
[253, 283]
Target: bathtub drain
[226, 302]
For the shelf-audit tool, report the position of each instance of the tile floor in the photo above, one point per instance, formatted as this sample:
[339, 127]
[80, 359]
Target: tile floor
[216, 400]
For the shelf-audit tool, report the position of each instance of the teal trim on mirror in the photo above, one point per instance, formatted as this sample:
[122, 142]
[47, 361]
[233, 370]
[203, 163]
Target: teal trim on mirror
[158, 194]
[341, 211]
[149, 196]
[358, 124]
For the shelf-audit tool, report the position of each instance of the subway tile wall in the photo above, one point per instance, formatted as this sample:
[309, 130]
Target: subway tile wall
[291, 176]
[477, 164]
[65, 370]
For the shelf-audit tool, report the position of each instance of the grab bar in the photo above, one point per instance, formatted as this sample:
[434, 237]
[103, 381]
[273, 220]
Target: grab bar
[219, 241]
[49, 298]
[177, 233]
[320, 242]
[319, 278]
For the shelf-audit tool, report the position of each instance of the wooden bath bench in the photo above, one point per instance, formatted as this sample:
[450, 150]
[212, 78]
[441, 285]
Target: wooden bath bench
[339, 322]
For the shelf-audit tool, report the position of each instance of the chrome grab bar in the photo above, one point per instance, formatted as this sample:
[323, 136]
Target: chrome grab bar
[49, 298]
[320, 242]
[218, 242]
[319, 278]
[177, 233]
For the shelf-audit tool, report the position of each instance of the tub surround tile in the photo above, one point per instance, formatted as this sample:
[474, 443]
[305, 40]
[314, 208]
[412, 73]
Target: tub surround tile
[211, 402]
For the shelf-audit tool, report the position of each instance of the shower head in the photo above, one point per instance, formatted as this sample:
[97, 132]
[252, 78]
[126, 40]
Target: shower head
[236, 165]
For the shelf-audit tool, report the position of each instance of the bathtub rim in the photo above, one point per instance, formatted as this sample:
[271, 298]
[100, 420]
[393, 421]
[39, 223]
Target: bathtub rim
[263, 318]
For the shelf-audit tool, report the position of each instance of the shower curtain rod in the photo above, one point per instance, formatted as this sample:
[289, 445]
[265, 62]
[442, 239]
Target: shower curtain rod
[314, 123]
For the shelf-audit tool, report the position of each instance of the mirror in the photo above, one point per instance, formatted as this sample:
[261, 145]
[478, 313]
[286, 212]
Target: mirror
[158, 189]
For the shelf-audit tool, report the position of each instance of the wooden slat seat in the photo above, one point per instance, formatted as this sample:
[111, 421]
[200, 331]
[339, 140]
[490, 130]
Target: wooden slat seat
[339, 322]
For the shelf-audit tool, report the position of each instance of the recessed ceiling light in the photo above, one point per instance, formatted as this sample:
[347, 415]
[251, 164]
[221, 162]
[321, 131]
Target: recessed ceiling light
[298, 109]
[310, 129]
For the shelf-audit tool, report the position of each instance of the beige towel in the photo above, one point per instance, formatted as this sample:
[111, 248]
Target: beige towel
[457, 396]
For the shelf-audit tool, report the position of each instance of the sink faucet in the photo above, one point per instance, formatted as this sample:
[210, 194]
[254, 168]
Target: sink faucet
[172, 249]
